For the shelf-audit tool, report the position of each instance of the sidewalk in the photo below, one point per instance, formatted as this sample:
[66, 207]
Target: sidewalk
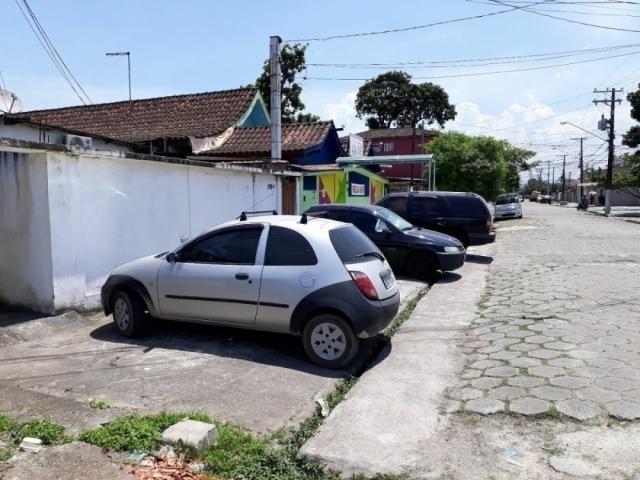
[396, 408]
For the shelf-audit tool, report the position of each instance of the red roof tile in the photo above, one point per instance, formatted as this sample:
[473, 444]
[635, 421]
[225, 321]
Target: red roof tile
[198, 114]
[257, 140]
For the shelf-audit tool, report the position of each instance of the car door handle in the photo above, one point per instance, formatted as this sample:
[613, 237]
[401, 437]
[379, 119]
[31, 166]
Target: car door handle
[242, 276]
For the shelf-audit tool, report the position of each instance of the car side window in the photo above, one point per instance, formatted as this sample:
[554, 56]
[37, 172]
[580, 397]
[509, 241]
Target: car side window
[237, 246]
[427, 206]
[287, 247]
[364, 221]
[397, 205]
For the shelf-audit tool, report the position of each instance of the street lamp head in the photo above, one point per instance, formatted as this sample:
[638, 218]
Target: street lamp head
[116, 54]
[564, 123]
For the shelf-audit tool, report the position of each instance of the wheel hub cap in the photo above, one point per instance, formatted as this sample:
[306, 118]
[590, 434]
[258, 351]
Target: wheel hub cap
[121, 314]
[328, 341]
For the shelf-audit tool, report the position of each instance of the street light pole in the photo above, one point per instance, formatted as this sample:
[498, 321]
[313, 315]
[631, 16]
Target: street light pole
[128, 54]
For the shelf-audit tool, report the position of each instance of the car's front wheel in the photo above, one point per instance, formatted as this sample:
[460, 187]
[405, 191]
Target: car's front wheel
[129, 313]
[329, 341]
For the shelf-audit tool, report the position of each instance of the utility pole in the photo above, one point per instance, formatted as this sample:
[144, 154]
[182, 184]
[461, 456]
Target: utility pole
[553, 179]
[564, 164]
[540, 180]
[128, 55]
[275, 72]
[581, 165]
[610, 124]
[548, 177]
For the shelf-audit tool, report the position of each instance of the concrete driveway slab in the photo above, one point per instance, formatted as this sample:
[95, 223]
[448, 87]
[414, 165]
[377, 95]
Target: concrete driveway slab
[258, 380]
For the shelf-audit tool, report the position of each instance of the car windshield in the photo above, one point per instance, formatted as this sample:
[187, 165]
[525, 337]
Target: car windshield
[506, 200]
[394, 219]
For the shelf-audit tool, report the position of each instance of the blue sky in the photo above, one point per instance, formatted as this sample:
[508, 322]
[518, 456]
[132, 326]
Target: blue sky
[193, 46]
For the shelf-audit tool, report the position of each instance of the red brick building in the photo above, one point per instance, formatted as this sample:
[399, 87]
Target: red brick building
[396, 141]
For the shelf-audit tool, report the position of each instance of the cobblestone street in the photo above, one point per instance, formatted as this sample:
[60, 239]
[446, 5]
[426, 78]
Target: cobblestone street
[558, 331]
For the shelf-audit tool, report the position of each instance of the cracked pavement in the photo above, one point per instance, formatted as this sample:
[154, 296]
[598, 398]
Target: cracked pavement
[558, 328]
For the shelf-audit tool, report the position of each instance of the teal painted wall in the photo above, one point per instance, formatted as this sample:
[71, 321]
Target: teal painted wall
[257, 117]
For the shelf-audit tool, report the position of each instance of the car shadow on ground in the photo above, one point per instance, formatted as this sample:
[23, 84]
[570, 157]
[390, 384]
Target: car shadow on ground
[265, 348]
[449, 277]
[481, 259]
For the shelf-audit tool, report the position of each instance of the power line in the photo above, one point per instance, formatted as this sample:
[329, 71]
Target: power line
[535, 57]
[477, 74]
[51, 51]
[593, 13]
[415, 27]
[526, 9]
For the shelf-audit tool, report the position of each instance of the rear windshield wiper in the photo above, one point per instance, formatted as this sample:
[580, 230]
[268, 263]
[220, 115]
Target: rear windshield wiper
[377, 255]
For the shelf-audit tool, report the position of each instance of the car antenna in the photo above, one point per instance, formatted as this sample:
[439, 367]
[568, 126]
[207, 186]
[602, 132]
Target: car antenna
[303, 220]
[243, 217]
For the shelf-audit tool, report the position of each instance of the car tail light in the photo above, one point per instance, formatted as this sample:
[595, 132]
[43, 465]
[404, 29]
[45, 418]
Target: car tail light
[365, 285]
[488, 224]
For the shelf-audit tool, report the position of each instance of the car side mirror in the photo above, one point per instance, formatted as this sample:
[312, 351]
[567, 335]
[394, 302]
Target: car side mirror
[172, 257]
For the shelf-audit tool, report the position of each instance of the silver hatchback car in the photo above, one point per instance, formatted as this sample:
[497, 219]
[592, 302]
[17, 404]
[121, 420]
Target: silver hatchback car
[318, 278]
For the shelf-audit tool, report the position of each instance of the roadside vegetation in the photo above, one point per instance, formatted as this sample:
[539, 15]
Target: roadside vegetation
[12, 433]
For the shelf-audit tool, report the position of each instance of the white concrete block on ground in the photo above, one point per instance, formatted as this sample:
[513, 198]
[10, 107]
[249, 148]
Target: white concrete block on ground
[192, 433]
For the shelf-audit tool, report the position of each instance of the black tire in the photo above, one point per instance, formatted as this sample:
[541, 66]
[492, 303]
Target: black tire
[321, 326]
[130, 305]
[422, 265]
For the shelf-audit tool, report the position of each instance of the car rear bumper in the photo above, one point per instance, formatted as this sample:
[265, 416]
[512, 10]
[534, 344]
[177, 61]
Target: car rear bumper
[482, 238]
[378, 315]
[450, 261]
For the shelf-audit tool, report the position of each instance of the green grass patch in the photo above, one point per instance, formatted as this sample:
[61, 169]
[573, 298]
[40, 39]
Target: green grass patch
[135, 432]
[12, 433]
[99, 405]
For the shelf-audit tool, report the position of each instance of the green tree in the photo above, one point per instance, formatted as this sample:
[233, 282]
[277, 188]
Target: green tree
[630, 178]
[483, 165]
[392, 100]
[518, 160]
[293, 63]
[632, 137]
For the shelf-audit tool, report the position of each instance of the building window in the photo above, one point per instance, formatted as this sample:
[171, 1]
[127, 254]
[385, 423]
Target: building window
[309, 183]
[376, 148]
[387, 147]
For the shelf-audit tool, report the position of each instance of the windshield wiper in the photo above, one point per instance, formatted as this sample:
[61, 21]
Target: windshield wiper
[377, 255]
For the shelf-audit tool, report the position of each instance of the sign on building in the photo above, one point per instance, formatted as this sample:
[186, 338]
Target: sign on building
[356, 146]
[358, 190]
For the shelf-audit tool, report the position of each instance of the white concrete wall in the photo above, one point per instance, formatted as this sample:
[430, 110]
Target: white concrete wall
[107, 210]
[25, 259]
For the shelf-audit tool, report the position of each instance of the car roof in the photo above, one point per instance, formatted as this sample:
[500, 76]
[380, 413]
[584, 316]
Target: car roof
[289, 221]
[320, 208]
[436, 193]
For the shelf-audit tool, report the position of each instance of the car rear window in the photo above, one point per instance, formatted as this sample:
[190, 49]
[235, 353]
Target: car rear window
[396, 204]
[350, 243]
[463, 205]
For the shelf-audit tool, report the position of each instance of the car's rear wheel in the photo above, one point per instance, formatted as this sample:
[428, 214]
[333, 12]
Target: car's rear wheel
[422, 265]
[329, 341]
[129, 313]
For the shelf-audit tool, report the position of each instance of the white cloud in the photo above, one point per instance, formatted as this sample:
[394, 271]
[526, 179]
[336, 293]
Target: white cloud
[343, 113]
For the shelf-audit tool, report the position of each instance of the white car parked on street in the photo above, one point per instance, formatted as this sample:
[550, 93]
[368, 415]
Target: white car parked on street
[507, 206]
[314, 277]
